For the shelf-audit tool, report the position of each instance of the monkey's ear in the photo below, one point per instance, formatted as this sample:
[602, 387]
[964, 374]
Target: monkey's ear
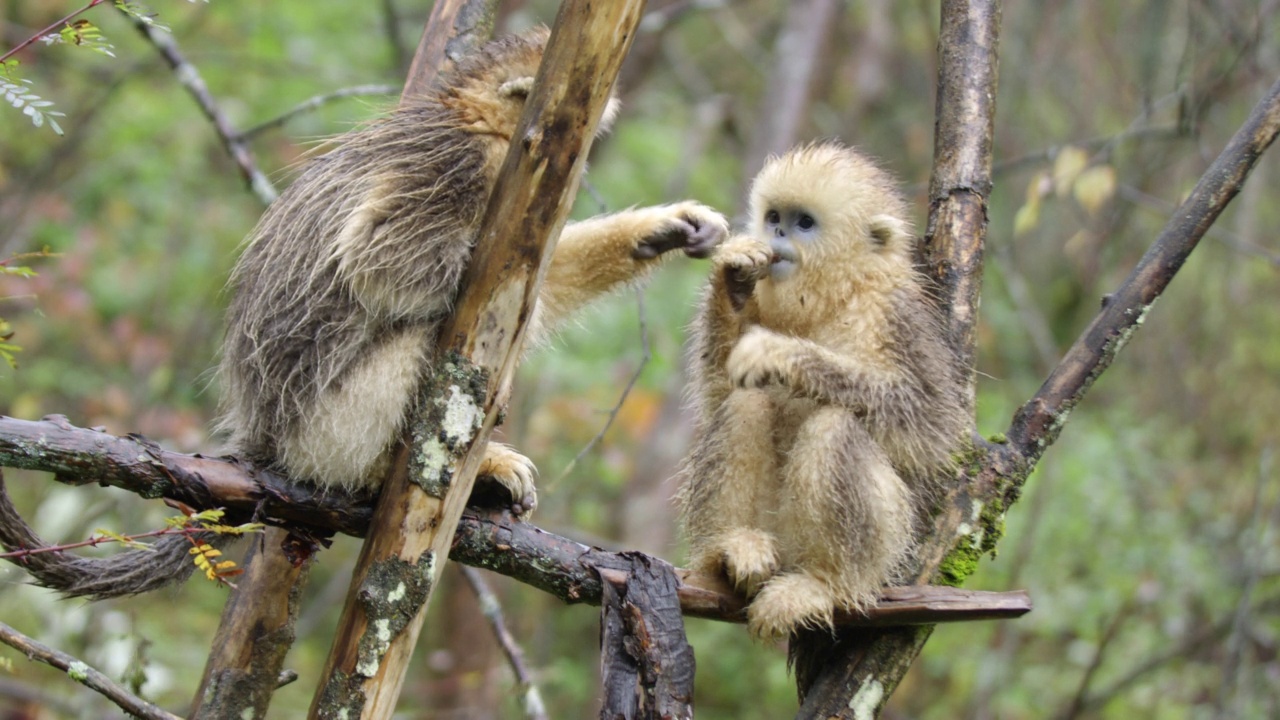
[888, 230]
[519, 87]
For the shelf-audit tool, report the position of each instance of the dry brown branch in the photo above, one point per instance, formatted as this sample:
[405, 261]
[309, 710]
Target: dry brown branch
[413, 526]
[559, 566]
[79, 671]
[646, 663]
[254, 634]
[1038, 422]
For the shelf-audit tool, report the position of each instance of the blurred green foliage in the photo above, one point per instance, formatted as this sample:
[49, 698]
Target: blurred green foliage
[1148, 536]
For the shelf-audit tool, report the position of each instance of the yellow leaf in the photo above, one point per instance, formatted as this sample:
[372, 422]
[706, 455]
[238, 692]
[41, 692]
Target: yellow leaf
[1026, 219]
[1071, 161]
[1095, 187]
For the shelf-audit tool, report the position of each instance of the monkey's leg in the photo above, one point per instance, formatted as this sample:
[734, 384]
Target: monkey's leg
[731, 493]
[845, 526]
[345, 438]
[600, 254]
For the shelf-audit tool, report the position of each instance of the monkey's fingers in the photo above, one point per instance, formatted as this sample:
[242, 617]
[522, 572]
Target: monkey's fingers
[673, 234]
[704, 239]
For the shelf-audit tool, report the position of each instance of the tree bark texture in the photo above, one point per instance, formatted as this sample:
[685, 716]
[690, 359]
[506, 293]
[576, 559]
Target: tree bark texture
[556, 565]
[254, 634]
[413, 524]
[647, 665]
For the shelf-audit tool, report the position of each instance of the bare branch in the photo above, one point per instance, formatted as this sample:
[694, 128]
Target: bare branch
[79, 671]
[189, 76]
[1037, 424]
[454, 29]
[312, 103]
[531, 697]
[562, 567]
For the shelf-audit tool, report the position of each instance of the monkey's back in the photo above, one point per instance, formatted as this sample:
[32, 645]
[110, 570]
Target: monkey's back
[370, 239]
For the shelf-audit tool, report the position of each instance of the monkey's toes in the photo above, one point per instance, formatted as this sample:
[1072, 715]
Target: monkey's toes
[506, 480]
[750, 559]
[789, 602]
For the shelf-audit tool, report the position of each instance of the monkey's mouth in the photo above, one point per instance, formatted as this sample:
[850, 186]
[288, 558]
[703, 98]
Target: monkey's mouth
[784, 259]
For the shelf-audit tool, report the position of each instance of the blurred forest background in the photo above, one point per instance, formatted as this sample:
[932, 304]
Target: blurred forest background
[1148, 537]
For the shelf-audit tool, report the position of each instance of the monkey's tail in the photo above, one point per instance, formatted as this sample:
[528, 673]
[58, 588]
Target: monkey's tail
[127, 573]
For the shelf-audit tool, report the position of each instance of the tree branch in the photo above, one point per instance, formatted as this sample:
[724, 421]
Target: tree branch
[1037, 423]
[79, 671]
[189, 76]
[531, 696]
[559, 566]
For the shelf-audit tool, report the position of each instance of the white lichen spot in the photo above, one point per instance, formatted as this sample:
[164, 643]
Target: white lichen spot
[344, 714]
[462, 416]
[398, 593]
[382, 630]
[78, 671]
[248, 714]
[974, 528]
[429, 568]
[435, 459]
[368, 666]
[867, 699]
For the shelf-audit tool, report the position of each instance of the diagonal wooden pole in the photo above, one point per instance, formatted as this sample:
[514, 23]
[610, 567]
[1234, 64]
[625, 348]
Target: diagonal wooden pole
[256, 629]
[414, 522]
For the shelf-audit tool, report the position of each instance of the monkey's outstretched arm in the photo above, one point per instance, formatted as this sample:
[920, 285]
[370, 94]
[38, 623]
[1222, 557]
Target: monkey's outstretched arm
[600, 254]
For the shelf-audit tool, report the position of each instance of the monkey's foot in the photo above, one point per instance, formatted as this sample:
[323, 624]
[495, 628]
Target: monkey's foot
[758, 359]
[689, 226]
[749, 558]
[789, 602]
[505, 479]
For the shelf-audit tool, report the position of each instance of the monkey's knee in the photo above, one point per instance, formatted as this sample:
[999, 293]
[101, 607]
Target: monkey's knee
[789, 602]
[505, 479]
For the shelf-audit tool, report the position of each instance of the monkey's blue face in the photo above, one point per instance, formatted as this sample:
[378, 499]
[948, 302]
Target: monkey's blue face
[791, 232]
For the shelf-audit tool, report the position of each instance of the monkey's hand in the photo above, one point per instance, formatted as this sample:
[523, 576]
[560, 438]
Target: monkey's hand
[742, 261]
[689, 226]
[759, 359]
[505, 479]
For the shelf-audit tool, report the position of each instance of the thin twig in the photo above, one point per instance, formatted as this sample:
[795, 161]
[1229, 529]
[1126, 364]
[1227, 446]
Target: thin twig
[80, 671]
[646, 355]
[314, 102]
[189, 76]
[54, 26]
[531, 697]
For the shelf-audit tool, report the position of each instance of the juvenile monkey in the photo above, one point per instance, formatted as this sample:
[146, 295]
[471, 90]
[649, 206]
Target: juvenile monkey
[345, 282]
[349, 275]
[826, 394]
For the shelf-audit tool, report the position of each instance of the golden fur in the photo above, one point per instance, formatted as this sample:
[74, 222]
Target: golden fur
[825, 390]
[343, 285]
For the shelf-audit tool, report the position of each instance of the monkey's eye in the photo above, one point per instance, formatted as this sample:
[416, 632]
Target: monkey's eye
[772, 217]
[805, 221]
